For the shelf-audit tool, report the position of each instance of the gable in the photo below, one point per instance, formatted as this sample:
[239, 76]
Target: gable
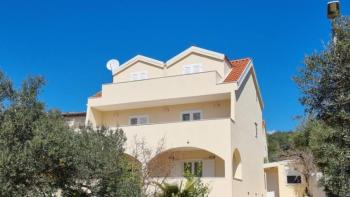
[206, 63]
[138, 67]
[243, 85]
[139, 64]
[196, 50]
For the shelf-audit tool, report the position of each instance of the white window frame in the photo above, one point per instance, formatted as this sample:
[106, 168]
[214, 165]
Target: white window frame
[138, 74]
[138, 119]
[193, 161]
[191, 112]
[290, 172]
[191, 66]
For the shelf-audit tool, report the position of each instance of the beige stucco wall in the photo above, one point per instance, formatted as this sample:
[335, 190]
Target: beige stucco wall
[221, 139]
[152, 71]
[251, 148]
[209, 135]
[208, 64]
[229, 117]
[172, 113]
[289, 190]
[197, 87]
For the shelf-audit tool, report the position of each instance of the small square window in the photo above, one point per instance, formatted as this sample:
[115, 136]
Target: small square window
[187, 70]
[186, 117]
[143, 120]
[143, 75]
[193, 68]
[140, 75]
[196, 68]
[191, 115]
[196, 116]
[133, 121]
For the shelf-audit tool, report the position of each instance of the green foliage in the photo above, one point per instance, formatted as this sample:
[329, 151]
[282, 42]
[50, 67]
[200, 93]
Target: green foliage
[39, 154]
[278, 143]
[193, 187]
[325, 84]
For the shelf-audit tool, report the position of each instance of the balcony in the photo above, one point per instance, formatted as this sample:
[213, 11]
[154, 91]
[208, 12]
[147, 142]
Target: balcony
[210, 135]
[171, 90]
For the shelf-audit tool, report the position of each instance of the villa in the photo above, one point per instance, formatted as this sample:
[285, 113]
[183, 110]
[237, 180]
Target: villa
[207, 109]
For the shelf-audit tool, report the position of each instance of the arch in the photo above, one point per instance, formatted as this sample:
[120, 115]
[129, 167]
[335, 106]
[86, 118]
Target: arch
[175, 162]
[237, 165]
[132, 162]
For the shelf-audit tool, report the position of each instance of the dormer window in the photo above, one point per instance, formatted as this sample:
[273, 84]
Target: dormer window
[140, 75]
[193, 68]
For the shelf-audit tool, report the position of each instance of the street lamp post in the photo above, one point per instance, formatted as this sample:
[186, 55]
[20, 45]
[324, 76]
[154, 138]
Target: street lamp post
[333, 11]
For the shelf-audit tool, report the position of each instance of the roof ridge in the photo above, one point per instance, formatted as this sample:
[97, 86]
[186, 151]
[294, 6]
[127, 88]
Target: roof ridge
[238, 67]
[240, 59]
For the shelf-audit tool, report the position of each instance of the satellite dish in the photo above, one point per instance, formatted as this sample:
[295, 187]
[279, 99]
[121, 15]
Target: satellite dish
[112, 65]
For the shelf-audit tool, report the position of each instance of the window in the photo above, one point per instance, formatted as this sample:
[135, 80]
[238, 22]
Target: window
[138, 75]
[293, 179]
[193, 68]
[293, 176]
[256, 129]
[194, 167]
[137, 120]
[186, 117]
[191, 115]
[196, 115]
[237, 165]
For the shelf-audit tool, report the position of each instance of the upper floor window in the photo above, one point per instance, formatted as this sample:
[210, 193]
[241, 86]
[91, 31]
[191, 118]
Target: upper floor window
[193, 68]
[191, 115]
[140, 75]
[137, 120]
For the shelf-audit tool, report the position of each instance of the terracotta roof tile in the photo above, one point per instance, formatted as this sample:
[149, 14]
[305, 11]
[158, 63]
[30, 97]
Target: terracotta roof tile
[238, 67]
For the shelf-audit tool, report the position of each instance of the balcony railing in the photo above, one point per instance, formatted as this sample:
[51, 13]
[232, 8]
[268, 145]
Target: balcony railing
[210, 135]
[199, 87]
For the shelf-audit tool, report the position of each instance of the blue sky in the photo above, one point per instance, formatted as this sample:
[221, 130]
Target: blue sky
[69, 42]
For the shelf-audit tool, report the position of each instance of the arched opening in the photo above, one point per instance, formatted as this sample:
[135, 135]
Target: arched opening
[178, 161]
[132, 163]
[237, 165]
